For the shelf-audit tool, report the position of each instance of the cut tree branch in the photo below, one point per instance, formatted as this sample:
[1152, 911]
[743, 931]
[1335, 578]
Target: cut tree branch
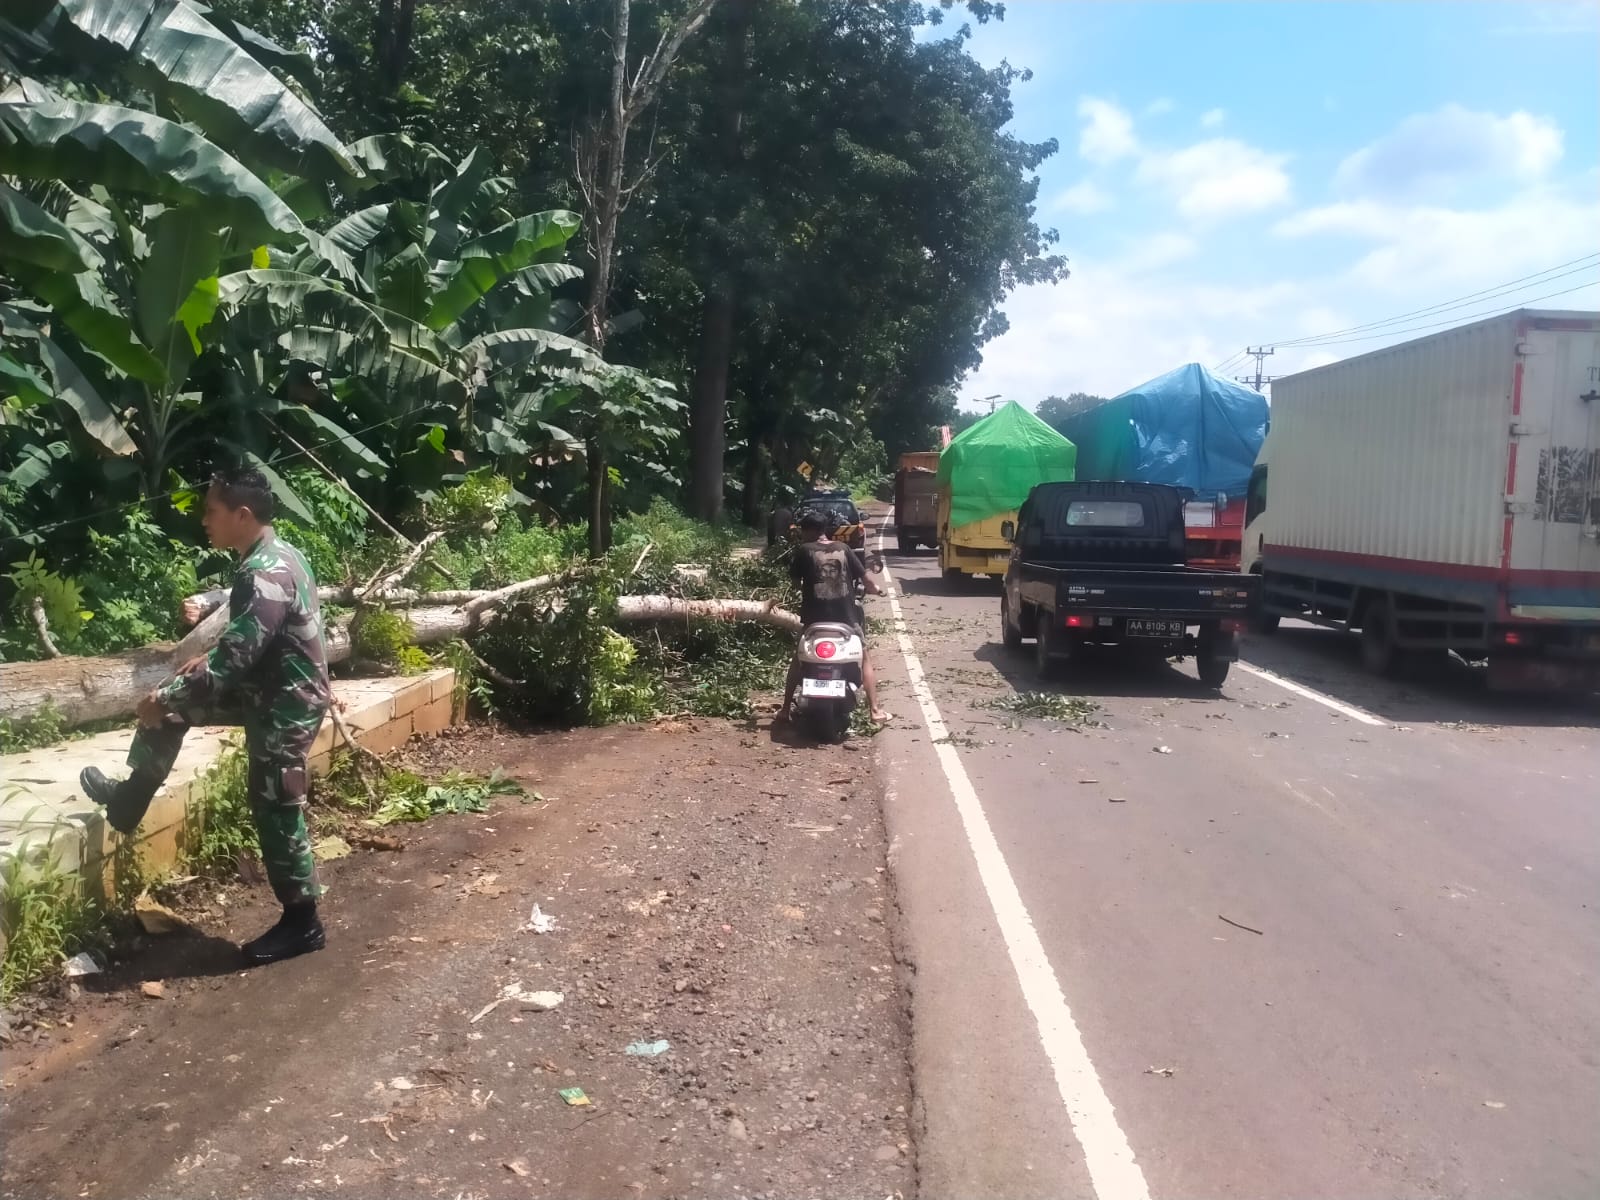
[42, 624]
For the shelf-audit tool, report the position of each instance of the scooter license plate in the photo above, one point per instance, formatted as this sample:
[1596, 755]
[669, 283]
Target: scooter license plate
[832, 688]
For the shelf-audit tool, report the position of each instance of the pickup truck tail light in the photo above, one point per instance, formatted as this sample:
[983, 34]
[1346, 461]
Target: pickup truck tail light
[1234, 626]
[1080, 620]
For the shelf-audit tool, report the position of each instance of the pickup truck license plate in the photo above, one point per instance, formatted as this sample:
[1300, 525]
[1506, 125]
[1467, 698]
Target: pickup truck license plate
[1138, 627]
[824, 687]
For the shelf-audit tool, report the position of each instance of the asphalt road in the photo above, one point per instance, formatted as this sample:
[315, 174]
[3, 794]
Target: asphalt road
[1418, 1013]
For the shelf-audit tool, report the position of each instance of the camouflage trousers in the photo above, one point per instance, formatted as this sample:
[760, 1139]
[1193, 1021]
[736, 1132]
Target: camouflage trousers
[278, 778]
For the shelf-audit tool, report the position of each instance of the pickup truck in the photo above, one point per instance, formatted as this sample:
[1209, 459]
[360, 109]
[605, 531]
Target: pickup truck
[1104, 564]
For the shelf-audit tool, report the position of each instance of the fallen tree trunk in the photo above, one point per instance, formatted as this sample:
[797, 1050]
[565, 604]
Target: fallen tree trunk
[92, 689]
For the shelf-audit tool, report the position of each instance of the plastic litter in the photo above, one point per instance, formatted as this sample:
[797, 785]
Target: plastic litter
[648, 1049]
[539, 1001]
[574, 1097]
[540, 921]
[80, 964]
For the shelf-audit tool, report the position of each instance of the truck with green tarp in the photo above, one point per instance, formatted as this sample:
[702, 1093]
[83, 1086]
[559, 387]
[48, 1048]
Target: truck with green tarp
[984, 476]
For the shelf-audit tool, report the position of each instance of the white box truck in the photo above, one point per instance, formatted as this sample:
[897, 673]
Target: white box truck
[1443, 494]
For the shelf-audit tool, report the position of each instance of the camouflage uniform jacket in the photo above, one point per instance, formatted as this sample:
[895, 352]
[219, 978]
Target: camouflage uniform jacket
[270, 658]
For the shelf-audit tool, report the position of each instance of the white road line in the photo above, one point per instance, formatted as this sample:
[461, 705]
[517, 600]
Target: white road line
[1338, 706]
[1112, 1170]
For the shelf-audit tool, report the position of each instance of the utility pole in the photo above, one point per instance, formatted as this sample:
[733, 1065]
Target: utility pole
[991, 401]
[1258, 353]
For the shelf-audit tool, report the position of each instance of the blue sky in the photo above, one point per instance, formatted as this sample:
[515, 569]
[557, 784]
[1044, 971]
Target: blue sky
[1234, 174]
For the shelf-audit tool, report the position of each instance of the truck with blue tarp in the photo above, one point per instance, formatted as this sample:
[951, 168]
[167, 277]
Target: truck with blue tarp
[1188, 429]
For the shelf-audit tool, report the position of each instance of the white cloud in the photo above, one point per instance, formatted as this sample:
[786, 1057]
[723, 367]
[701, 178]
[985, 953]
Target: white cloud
[1433, 151]
[1116, 323]
[1159, 107]
[1214, 178]
[1107, 133]
[1083, 198]
[1213, 118]
[1576, 18]
[1157, 251]
[1450, 250]
[1220, 177]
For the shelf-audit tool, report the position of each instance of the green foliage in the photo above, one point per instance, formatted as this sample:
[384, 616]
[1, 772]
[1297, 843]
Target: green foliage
[135, 579]
[47, 920]
[222, 830]
[62, 598]
[409, 798]
[47, 728]
[518, 547]
[45, 914]
[378, 635]
[1051, 706]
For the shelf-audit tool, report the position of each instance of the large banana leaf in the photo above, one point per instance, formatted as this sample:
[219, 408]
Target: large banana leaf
[403, 285]
[508, 346]
[122, 148]
[29, 234]
[71, 385]
[451, 200]
[171, 50]
[177, 292]
[315, 322]
[353, 234]
[264, 50]
[262, 303]
[501, 252]
[81, 302]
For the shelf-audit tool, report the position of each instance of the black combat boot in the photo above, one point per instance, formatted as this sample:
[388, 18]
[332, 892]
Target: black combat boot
[125, 800]
[298, 931]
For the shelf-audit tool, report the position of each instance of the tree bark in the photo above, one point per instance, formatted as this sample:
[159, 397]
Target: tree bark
[708, 408]
[755, 480]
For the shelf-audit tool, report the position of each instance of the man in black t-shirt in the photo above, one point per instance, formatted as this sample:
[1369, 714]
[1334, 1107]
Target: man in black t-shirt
[827, 572]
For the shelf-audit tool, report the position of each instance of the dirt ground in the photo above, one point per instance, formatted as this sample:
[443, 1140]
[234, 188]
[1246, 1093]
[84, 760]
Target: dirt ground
[711, 887]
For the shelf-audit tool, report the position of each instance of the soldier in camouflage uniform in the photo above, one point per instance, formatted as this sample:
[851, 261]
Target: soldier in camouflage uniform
[267, 673]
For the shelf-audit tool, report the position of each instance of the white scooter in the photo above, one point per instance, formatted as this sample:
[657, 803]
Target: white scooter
[830, 658]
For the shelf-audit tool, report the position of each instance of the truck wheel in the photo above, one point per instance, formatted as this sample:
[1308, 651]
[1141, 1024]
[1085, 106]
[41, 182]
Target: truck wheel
[1264, 623]
[1009, 635]
[906, 544]
[1213, 670]
[954, 577]
[1046, 664]
[1210, 660]
[1379, 654]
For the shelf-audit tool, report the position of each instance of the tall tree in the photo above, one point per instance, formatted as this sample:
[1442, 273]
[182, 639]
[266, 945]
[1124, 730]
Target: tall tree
[602, 170]
[1056, 412]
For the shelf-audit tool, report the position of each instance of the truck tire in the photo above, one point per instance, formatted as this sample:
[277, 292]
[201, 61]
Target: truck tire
[1209, 661]
[1046, 658]
[906, 544]
[954, 577]
[1009, 636]
[1379, 654]
[1213, 670]
[1264, 623]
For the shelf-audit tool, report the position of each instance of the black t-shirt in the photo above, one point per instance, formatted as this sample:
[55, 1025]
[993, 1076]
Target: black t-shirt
[827, 574]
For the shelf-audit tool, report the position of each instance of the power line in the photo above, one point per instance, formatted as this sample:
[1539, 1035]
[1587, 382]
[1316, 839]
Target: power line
[1541, 277]
[1547, 275]
[1489, 312]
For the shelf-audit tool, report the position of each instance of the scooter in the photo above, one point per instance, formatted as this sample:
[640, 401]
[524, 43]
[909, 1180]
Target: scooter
[830, 658]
